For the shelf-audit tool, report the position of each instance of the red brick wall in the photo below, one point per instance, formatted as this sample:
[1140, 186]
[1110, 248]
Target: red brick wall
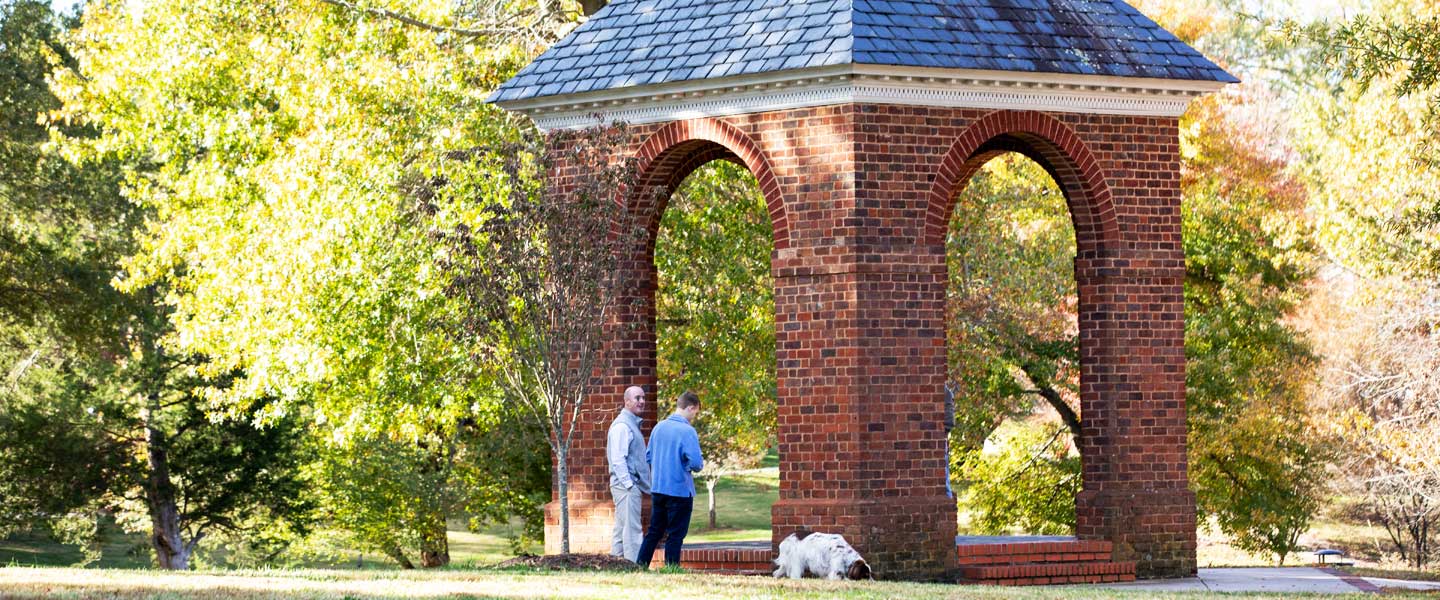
[860, 196]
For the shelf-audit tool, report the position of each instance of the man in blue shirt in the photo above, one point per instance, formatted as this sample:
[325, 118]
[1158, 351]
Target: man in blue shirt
[674, 455]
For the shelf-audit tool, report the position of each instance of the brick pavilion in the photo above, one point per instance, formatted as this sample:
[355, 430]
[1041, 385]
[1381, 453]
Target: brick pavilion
[861, 120]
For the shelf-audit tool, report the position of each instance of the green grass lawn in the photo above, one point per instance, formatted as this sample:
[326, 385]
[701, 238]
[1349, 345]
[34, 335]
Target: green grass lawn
[25, 582]
[119, 551]
[742, 507]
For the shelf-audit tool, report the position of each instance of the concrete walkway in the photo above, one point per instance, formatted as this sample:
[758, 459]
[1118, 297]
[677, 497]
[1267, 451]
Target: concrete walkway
[1281, 580]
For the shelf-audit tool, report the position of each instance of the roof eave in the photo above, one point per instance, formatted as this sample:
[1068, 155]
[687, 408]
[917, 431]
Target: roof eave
[879, 84]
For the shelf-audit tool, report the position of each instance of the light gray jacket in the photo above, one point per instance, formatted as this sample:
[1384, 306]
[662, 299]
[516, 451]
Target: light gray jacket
[625, 451]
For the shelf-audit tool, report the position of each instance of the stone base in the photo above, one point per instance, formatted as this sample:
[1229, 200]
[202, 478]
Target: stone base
[1153, 528]
[901, 538]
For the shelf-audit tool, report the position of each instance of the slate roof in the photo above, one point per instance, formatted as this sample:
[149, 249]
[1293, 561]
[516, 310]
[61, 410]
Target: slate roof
[643, 42]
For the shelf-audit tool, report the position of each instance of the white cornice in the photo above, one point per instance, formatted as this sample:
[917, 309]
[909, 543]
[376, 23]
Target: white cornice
[867, 84]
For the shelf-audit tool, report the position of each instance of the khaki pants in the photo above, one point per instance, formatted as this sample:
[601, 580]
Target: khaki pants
[626, 539]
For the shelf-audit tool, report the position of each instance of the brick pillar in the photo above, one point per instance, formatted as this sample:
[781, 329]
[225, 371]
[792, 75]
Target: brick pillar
[1133, 401]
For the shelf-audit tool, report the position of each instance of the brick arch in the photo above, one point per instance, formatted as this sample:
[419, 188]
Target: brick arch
[1047, 141]
[677, 149]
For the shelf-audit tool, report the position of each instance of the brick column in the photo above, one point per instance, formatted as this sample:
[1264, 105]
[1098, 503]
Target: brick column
[1133, 365]
[1133, 402]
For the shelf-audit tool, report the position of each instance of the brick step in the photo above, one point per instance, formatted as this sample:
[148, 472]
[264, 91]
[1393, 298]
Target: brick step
[1049, 573]
[1019, 553]
[741, 561]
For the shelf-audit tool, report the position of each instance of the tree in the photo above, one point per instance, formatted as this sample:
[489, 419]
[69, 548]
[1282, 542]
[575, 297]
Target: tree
[203, 476]
[276, 157]
[94, 393]
[392, 496]
[1403, 52]
[62, 225]
[538, 271]
[505, 467]
[1368, 110]
[1263, 478]
[145, 440]
[1372, 106]
[1257, 462]
[1013, 333]
[1386, 414]
[57, 460]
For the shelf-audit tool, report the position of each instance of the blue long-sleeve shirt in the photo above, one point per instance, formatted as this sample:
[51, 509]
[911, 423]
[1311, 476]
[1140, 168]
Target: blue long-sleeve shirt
[674, 453]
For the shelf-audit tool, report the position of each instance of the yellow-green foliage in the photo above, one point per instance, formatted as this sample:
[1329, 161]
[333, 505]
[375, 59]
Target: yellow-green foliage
[715, 308]
[1023, 481]
[272, 139]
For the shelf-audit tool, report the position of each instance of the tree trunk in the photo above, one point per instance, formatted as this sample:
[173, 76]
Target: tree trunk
[399, 557]
[562, 486]
[434, 545]
[710, 491]
[433, 556]
[170, 549]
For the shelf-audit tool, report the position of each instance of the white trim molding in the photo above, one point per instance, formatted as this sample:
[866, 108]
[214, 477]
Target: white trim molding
[867, 84]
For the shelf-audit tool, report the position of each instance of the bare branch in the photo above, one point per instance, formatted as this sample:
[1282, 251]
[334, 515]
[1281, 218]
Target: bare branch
[469, 32]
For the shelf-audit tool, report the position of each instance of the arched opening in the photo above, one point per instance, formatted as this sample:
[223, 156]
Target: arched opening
[715, 220]
[1069, 351]
[715, 335]
[1012, 362]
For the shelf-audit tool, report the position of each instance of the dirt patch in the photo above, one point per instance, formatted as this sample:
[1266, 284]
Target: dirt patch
[570, 562]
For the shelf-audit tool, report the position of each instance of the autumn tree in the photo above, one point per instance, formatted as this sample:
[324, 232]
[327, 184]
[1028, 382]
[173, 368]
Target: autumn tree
[1368, 111]
[1386, 413]
[1010, 306]
[1257, 458]
[1012, 332]
[1026, 485]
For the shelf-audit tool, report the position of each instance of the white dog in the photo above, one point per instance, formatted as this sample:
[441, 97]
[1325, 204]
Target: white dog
[824, 554]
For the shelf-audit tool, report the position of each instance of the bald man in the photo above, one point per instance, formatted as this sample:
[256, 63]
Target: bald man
[629, 473]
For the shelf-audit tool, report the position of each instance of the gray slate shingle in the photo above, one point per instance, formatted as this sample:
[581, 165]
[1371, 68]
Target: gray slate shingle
[641, 42]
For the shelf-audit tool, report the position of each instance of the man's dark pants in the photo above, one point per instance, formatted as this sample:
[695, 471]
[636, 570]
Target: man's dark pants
[670, 517]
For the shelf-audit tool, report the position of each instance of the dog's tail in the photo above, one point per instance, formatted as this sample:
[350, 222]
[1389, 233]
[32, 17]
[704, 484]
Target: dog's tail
[786, 546]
